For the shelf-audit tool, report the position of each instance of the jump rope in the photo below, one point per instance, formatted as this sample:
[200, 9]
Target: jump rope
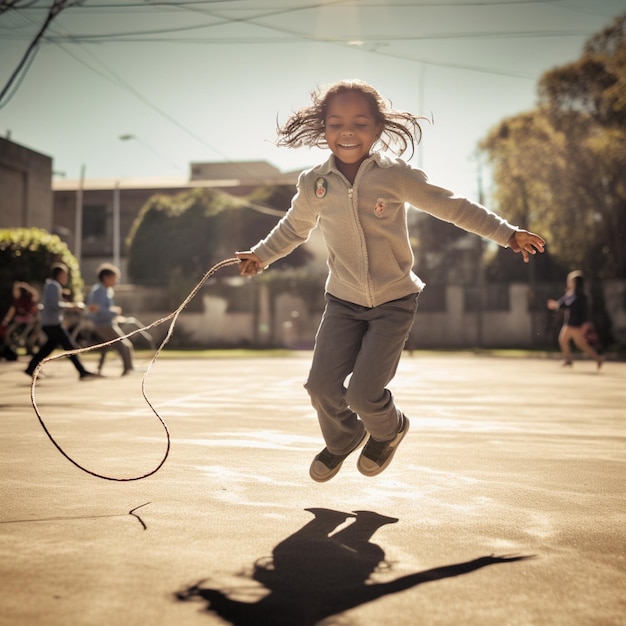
[173, 317]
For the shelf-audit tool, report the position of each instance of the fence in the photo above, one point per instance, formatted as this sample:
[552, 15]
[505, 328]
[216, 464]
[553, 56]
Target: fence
[497, 316]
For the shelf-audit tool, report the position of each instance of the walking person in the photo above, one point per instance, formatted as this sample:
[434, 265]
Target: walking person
[105, 315]
[54, 307]
[576, 322]
[358, 197]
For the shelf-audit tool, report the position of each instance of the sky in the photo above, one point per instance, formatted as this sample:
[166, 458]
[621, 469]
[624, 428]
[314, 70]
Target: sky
[133, 89]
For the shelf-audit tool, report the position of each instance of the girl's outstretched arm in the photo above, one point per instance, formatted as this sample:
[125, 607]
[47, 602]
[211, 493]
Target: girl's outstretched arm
[527, 243]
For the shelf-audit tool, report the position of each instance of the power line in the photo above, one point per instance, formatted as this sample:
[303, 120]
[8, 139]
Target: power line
[113, 77]
[120, 82]
[26, 60]
[296, 36]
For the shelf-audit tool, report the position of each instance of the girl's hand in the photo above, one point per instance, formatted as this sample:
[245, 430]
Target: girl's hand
[250, 263]
[527, 243]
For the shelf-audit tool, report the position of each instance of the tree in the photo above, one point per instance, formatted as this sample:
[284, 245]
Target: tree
[27, 254]
[559, 169]
[177, 238]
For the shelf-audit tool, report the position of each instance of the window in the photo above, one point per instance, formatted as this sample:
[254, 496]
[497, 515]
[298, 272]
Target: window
[94, 221]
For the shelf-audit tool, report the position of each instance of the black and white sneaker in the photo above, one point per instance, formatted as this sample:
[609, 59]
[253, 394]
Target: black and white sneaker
[326, 464]
[377, 455]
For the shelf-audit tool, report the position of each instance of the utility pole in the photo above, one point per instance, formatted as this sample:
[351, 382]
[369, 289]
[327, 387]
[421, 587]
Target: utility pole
[78, 218]
[116, 224]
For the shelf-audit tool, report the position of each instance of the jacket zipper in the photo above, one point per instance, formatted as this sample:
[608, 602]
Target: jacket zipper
[350, 197]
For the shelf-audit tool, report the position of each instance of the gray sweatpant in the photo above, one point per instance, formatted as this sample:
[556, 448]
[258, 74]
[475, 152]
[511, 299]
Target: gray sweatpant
[124, 347]
[367, 343]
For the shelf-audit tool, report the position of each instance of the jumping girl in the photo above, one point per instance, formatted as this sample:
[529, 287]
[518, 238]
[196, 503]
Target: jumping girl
[359, 198]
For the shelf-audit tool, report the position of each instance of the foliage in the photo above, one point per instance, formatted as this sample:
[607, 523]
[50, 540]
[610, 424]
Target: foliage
[174, 236]
[176, 239]
[444, 253]
[26, 254]
[559, 169]
[271, 202]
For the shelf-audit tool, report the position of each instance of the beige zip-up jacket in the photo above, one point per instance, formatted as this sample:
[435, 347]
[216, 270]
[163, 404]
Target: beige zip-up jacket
[364, 225]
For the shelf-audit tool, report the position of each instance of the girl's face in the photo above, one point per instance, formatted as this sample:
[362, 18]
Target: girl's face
[351, 128]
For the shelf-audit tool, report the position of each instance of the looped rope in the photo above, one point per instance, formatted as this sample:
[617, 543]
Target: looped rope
[172, 316]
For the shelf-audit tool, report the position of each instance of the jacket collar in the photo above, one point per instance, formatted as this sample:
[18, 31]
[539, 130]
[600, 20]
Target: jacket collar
[378, 158]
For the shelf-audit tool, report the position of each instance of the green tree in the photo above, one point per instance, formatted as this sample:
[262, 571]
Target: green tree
[559, 169]
[27, 254]
[175, 239]
[176, 236]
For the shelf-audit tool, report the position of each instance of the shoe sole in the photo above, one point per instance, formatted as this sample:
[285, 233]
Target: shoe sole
[318, 478]
[383, 467]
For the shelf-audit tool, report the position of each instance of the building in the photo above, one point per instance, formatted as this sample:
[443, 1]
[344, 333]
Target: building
[25, 187]
[105, 210]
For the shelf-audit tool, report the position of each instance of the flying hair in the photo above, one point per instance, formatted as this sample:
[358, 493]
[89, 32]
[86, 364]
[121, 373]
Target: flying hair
[307, 126]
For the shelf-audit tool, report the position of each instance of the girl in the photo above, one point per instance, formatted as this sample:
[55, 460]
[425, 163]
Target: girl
[358, 199]
[576, 319]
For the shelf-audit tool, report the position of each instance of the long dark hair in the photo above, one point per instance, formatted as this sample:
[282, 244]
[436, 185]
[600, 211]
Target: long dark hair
[306, 127]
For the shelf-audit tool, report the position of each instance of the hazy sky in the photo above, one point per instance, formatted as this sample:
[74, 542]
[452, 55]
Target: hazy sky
[206, 81]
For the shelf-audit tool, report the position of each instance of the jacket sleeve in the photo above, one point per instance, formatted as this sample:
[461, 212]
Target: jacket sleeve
[445, 205]
[293, 229]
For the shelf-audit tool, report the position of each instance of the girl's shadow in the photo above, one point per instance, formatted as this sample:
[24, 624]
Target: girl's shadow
[316, 573]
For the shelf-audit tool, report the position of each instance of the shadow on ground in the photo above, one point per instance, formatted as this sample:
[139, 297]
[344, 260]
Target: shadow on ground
[317, 572]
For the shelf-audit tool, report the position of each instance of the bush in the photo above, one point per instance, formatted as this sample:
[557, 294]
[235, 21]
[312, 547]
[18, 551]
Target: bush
[175, 236]
[26, 254]
[176, 239]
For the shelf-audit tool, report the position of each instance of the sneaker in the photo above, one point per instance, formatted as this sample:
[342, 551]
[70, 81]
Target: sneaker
[377, 455]
[30, 374]
[326, 464]
[87, 376]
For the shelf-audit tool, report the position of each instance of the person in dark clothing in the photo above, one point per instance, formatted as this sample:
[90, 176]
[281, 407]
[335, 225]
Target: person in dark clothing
[576, 320]
[52, 313]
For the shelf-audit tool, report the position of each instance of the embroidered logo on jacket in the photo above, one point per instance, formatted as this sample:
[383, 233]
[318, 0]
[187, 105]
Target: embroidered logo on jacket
[379, 209]
[321, 187]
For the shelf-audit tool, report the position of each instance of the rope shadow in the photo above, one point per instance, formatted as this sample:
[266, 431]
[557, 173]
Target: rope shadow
[317, 573]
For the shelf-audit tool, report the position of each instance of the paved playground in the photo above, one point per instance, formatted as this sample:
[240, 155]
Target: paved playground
[503, 506]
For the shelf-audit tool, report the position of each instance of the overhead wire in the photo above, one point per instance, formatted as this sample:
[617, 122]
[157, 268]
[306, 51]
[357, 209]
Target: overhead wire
[207, 8]
[294, 37]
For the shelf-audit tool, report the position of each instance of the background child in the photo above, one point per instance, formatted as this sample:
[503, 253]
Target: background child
[52, 313]
[104, 315]
[576, 321]
[22, 318]
[359, 197]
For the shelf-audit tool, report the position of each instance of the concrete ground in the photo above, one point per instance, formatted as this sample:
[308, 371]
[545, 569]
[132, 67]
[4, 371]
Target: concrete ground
[503, 506]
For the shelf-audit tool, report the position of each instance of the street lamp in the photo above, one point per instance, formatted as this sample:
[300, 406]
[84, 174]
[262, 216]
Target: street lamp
[131, 137]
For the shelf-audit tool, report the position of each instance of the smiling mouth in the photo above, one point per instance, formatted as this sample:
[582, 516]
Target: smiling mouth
[348, 145]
